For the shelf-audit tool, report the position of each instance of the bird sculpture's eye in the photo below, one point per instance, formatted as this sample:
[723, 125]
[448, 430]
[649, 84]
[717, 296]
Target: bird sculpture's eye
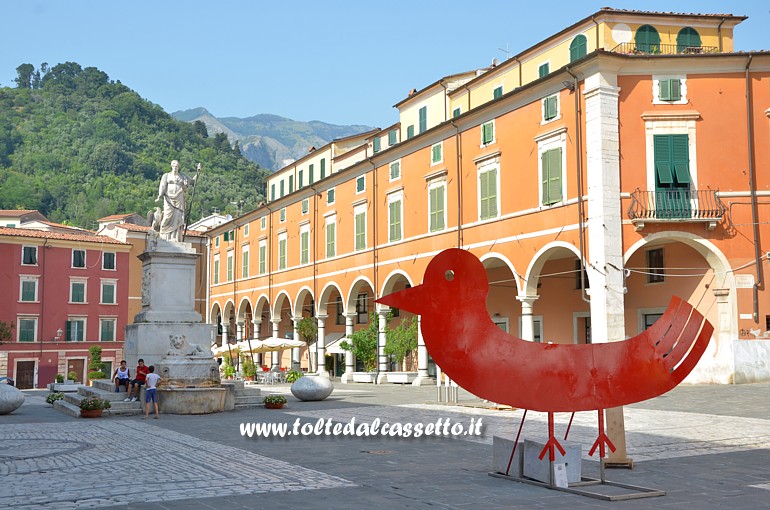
[449, 275]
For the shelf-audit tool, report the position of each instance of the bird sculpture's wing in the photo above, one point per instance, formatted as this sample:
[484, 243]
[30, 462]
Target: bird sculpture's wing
[505, 369]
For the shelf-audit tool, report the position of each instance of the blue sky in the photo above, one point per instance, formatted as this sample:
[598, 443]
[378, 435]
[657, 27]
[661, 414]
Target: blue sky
[341, 62]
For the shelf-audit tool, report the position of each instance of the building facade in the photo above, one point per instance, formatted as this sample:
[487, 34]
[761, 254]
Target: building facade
[63, 293]
[600, 172]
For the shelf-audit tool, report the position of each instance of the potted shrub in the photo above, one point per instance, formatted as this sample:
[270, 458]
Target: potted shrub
[274, 401]
[59, 378]
[95, 366]
[293, 376]
[53, 397]
[72, 376]
[228, 370]
[249, 369]
[92, 407]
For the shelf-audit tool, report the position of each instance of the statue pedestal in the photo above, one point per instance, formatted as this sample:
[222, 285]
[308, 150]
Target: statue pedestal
[151, 340]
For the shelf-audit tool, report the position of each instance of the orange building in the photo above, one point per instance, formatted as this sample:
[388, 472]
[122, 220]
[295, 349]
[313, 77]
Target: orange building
[630, 168]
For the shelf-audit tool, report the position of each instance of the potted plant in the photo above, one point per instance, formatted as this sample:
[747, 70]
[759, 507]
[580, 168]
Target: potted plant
[293, 376]
[274, 401]
[53, 397]
[72, 376]
[249, 369]
[96, 365]
[59, 378]
[228, 370]
[92, 407]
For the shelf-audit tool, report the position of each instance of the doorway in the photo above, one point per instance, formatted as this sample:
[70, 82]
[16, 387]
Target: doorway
[77, 366]
[25, 375]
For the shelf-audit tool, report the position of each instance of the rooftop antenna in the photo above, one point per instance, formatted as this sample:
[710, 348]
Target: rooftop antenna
[507, 53]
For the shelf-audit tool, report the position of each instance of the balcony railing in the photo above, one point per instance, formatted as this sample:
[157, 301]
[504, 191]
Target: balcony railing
[676, 205]
[662, 49]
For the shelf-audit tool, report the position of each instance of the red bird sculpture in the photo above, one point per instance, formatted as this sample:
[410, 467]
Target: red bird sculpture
[496, 366]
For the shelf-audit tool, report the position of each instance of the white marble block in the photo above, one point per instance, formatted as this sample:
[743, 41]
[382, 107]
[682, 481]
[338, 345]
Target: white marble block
[501, 456]
[540, 469]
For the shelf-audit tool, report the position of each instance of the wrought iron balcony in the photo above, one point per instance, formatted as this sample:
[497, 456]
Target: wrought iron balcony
[676, 205]
[633, 48]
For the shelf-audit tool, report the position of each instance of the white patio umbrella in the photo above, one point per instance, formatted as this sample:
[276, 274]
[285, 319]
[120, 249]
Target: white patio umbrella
[270, 344]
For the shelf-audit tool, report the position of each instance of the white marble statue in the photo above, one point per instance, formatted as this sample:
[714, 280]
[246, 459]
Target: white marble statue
[181, 347]
[172, 192]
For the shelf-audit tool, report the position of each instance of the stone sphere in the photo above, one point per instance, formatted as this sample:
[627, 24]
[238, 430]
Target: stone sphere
[311, 387]
[11, 398]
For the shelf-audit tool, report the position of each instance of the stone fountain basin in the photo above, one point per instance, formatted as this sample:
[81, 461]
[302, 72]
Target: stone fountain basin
[181, 400]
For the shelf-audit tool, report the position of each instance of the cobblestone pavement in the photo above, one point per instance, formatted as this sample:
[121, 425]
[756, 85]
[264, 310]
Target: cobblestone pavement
[708, 447]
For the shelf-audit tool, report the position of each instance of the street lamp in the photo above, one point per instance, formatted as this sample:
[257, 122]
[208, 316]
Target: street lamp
[59, 334]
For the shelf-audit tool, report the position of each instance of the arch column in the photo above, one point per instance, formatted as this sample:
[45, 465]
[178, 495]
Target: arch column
[274, 359]
[295, 353]
[257, 323]
[350, 358]
[320, 346]
[422, 357]
[239, 331]
[527, 318]
[382, 359]
[225, 334]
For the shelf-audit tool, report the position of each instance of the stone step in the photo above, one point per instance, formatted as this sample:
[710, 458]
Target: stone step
[106, 395]
[104, 384]
[252, 399]
[67, 408]
[117, 407]
[250, 392]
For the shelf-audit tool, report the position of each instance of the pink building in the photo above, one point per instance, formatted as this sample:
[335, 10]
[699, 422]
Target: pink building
[63, 293]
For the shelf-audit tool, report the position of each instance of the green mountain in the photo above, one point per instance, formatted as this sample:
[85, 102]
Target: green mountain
[77, 146]
[269, 140]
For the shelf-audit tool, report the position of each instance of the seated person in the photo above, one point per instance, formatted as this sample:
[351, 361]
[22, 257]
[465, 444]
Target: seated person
[122, 377]
[136, 385]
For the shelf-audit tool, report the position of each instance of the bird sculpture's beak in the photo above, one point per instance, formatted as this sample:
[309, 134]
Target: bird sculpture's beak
[411, 299]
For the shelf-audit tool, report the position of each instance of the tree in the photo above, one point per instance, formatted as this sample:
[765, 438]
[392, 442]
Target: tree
[25, 73]
[6, 331]
[96, 365]
[363, 343]
[401, 341]
[307, 329]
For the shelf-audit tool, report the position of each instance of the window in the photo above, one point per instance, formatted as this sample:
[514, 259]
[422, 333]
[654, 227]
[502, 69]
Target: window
[330, 196]
[108, 260]
[395, 170]
[263, 223]
[108, 292]
[688, 41]
[262, 257]
[359, 214]
[410, 132]
[551, 176]
[107, 330]
[456, 112]
[291, 184]
[436, 196]
[670, 89]
[655, 267]
[672, 176]
[300, 179]
[544, 69]
[282, 251]
[78, 258]
[282, 214]
[650, 319]
[395, 232]
[498, 92]
[246, 230]
[550, 108]
[28, 289]
[647, 39]
[76, 330]
[27, 329]
[272, 192]
[331, 236]
[376, 144]
[216, 242]
[488, 193]
[487, 133]
[340, 312]
[537, 328]
[216, 270]
[245, 262]
[362, 309]
[436, 154]
[304, 245]
[310, 176]
[229, 267]
[282, 188]
[392, 137]
[423, 113]
[305, 206]
[578, 48]
[29, 255]
[360, 184]
[323, 168]
[77, 291]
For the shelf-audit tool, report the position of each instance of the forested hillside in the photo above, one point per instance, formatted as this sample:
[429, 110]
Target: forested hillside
[77, 146]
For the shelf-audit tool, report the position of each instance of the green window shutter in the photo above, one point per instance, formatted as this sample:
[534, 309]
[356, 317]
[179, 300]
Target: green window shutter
[272, 192]
[687, 38]
[360, 231]
[376, 144]
[282, 189]
[409, 132]
[310, 176]
[216, 271]
[330, 196]
[664, 90]
[392, 137]
[433, 205]
[330, 251]
[68, 334]
[394, 209]
[323, 168]
[456, 112]
[498, 92]
[304, 247]
[423, 119]
[662, 148]
[300, 179]
[245, 264]
[28, 290]
[578, 48]
[437, 208]
[436, 153]
[551, 107]
[487, 132]
[360, 184]
[282, 254]
[108, 294]
[291, 184]
[551, 162]
[483, 187]
[305, 206]
[107, 333]
[282, 214]
[543, 70]
[395, 170]
[490, 193]
[78, 293]
[681, 158]
[262, 261]
[676, 90]
[440, 207]
[647, 39]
